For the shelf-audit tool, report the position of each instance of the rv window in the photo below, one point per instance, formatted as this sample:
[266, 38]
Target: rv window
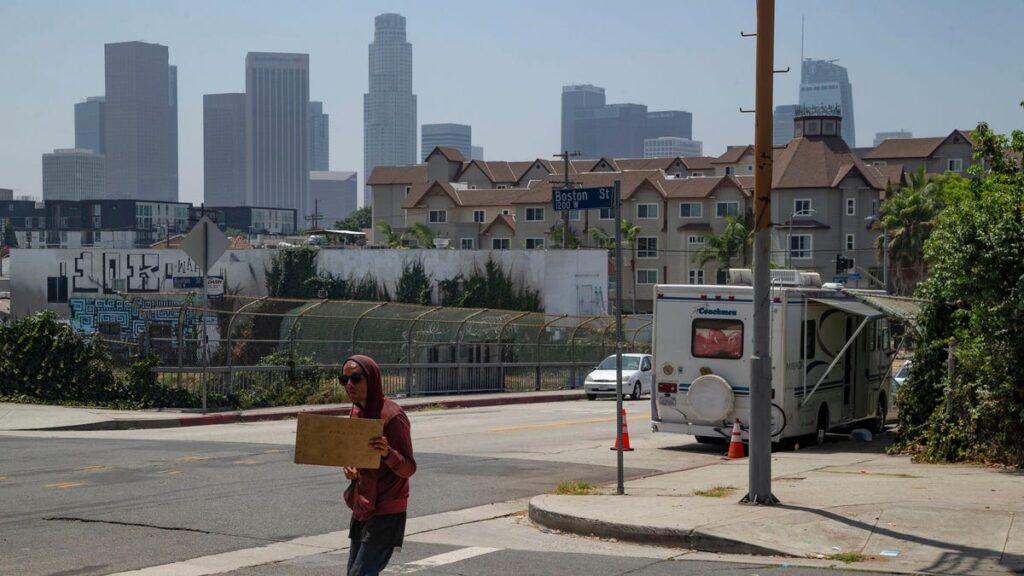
[808, 337]
[714, 338]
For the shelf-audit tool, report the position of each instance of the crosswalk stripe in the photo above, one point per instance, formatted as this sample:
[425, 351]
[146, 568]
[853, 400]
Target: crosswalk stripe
[442, 559]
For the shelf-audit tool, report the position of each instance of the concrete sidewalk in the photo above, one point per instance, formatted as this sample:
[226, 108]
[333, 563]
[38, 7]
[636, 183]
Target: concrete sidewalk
[43, 417]
[841, 498]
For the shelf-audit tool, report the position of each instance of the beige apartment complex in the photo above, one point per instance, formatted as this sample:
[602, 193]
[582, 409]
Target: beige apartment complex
[824, 198]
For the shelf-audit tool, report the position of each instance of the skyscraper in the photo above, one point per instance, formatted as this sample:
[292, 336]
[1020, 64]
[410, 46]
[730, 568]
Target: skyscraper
[478, 153]
[458, 136]
[613, 131]
[669, 124]
[671, 146]
[224, 171]
[897, 135]
[575, 99]
[139, 128]
[319, 137]
[172, 104]
[334, 194]
[782, 124]
[277, 130]
[389, 108]
[73, 174]
[825, 83]
[90, 124]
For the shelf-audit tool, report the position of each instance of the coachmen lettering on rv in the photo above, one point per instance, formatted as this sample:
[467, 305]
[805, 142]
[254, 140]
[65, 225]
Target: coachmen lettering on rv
[830, 358]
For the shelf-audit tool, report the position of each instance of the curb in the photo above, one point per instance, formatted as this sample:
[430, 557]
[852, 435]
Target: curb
[284, 414]
[673, 537]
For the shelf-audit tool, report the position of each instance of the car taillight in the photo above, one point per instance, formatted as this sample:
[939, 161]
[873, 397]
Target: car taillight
[664, 388]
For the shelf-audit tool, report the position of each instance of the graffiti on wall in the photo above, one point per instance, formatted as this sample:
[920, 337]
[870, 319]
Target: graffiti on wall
[107, 273]
[123, 319]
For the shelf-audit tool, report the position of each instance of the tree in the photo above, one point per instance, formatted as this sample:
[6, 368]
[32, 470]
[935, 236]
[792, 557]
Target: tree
[630, 231]
[10, 239]
[389, 237]
[555, 237]
[722, 248]
[909, 215]
[974, 294]
[357, 221]
[423, 235]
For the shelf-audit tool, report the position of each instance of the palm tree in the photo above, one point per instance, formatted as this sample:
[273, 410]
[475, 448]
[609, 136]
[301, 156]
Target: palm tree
[390, 238]
[908, 215]
[423, 234]
[630, 231]
[722, 248]
[555, 233]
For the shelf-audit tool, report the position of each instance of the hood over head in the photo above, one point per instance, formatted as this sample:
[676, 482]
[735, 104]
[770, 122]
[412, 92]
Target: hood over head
[374, 385]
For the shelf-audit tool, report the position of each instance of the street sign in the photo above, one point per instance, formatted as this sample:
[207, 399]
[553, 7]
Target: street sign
[214, 287]
[582, 198]
[204, 244]
[854, 276]
[839, 279]
[187, 282]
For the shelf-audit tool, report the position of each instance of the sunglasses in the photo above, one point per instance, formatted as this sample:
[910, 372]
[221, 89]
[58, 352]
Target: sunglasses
[355, 377]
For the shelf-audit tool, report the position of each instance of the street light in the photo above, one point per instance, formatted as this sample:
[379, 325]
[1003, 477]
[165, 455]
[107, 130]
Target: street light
[789, 233]
[885, 249]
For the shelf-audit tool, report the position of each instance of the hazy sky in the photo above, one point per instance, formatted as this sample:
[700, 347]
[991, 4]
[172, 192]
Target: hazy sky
[924, 65]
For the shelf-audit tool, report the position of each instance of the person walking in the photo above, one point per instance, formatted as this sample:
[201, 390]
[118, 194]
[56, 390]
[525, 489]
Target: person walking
[378, 497]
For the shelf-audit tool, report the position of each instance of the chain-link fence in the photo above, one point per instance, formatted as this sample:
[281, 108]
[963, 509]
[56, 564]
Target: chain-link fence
[238, 343]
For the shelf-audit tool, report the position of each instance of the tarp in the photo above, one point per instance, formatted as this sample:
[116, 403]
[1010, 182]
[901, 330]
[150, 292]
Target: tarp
[851, 307]
[897, 306]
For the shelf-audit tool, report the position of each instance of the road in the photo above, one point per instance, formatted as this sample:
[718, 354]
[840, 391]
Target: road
[85, 503]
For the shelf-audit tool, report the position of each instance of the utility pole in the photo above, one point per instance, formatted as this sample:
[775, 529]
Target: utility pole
[760, 436]
[315, 217]
[566, 183]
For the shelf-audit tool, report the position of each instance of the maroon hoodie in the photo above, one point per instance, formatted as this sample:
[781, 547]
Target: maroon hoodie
[384, 490]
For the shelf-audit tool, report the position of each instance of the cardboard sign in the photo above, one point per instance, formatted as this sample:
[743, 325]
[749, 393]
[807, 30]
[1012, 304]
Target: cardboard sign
[334, 441]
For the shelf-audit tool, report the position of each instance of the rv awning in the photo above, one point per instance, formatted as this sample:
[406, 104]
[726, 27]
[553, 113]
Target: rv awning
[900, 307]
[851, 307]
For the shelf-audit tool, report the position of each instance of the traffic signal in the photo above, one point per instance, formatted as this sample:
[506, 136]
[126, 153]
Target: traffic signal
[842, 265]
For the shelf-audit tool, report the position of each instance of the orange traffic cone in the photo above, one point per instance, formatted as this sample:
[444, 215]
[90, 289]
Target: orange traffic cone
[625, 435]
[736, 444]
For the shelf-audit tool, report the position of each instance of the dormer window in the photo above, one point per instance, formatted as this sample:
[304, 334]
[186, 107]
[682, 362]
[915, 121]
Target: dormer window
[812, 127]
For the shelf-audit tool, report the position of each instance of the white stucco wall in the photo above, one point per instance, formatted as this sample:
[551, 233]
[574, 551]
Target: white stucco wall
[570, 282]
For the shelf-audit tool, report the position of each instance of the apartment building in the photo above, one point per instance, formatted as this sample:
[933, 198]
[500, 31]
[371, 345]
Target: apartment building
[950, 153]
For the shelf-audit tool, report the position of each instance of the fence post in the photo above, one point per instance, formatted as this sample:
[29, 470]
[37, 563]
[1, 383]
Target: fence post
[573, 355]
[501, 345]
[540, 332]
[458, 348]
[950, 367]
[181, 340]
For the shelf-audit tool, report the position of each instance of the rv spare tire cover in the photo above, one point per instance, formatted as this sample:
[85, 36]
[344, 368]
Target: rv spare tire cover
[711, 398]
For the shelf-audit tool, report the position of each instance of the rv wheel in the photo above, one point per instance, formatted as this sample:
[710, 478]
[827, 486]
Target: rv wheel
[822, 428]
[877, 425]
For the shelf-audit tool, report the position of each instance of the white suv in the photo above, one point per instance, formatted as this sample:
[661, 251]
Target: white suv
[636, 377]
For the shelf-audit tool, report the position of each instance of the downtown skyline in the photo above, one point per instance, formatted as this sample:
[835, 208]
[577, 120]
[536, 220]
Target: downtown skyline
[62, 64]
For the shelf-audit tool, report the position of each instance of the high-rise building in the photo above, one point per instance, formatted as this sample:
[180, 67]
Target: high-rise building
[139, 128]
[670, 147]
[782, 124]
[613, 131]
[74, 174]
[825, 83]
[172, 104]
[90, 124]
[575, 99]
[897, 135]
[319, 137]
[6, 194]
[277, 130]
[478, 152]
[458, 136]
[670, 123]
[389, 108]
[224, 171]
[334, 194]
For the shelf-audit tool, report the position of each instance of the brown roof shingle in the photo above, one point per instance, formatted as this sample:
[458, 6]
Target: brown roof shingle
[733, 154]
[500, 219]
[383, 175]
[905, 148]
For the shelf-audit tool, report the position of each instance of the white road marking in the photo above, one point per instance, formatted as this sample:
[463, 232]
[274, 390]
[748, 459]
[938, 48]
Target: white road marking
[442, 559]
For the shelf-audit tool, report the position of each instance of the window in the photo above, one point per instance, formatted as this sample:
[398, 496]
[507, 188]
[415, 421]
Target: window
[696, 276]
[696, 240]
[606, 214]
[645, 364]
[851, 206]
[690, 210]
[437, 216]
[678, 174]
[802, 207]
[750, 168]
[697, 174]
[850, 242]
[808, 336]
[467, 243]
[726, 209]
[407, 190]
[955, 165]
[646, 276]
[730, 170]
[800, 246]
[502, 187]
[534, 243]
[646, 211]
[878, 163]
[505, 212]
[534, 214]
[500, 244]
[717, 338]
[874, 207]
[647, 247]
[574, 215]
[479, 216]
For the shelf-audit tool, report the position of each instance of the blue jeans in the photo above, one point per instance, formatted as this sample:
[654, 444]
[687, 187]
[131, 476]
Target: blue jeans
[373, 542]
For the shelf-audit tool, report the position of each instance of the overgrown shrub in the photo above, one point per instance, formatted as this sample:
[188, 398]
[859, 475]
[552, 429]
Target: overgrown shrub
[414, 285]
[490, 288]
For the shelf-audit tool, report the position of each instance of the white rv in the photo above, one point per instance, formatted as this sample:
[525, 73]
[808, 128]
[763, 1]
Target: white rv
[830, 358]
